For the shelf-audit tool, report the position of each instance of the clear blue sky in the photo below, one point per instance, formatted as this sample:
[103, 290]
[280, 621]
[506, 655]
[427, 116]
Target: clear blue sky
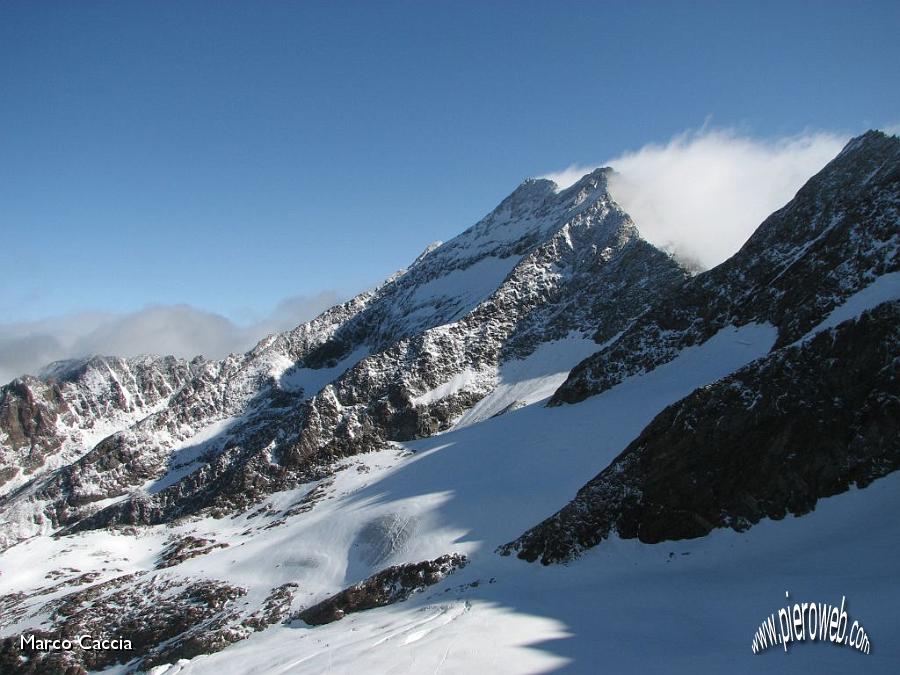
[229, 154]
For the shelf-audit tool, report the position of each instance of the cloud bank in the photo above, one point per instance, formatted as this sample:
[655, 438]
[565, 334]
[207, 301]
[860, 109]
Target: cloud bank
[180, 330]
[702, 194]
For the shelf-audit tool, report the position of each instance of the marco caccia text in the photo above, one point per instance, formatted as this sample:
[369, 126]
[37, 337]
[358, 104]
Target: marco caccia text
[84, 642]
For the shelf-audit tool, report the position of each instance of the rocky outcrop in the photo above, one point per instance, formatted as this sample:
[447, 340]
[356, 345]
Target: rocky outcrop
[394, 584]
[164, 618]
[240, 388]
[186, 548]
[804, 423]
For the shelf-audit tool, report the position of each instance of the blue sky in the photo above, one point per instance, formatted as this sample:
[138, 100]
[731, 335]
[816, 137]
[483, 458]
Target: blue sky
[229, 155]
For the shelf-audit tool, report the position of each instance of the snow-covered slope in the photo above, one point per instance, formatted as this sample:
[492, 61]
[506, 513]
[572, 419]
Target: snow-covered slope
[459, 492]
[680, 607]
[805, 422]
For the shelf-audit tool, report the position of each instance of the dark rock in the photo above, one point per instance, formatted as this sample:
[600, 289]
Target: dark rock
[186, 548]
[391, 585]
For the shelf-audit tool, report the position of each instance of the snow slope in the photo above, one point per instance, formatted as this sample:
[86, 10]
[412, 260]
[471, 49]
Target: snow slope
[672, 607]
[883, 288]
[521, 382]
[680, 607]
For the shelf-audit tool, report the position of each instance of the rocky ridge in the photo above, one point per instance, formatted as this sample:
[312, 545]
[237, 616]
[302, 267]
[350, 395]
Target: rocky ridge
[394, 584]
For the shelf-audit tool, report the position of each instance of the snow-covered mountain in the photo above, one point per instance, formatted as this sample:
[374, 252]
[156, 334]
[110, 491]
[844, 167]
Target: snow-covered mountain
[359, 473]
[546, 268]
[805, 422]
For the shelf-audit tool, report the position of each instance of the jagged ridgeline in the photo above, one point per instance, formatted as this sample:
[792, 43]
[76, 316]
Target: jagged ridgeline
[169, 438]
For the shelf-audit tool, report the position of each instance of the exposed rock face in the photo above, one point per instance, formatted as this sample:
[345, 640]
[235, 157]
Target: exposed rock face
[165, 618]
[186, 548]
[398, 363]
[50, 421]
[837, 235]
[391, 585]
[806, 422]
[147, 446]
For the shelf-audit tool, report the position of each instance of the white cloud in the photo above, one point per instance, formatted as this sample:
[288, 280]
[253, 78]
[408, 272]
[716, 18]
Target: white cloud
[703, 193]
[180, 330]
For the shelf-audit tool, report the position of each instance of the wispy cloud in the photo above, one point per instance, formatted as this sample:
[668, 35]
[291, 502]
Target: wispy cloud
[702, 194]
[180, 330]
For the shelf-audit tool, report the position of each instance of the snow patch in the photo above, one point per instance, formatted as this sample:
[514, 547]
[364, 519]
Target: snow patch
[313, 380]
[522, 382]
[468, 286]
[883, 289]
[454, 385]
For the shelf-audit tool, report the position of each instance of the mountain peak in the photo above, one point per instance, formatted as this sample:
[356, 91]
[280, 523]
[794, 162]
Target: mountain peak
[828, 243]
[529, 191]
[595, 178]
[872, 142]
